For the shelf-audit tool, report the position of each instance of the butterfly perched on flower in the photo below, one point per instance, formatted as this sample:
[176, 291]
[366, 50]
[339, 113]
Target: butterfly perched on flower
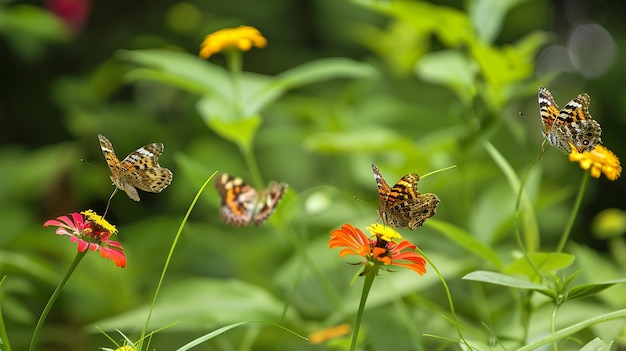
[571, 125]
[402, 205]
[139, 170]
[241, 203]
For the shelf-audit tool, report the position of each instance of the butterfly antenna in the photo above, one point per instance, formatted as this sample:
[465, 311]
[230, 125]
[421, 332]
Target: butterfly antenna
[437, 171]
[82, 160]
[521, 114]
[109, 202]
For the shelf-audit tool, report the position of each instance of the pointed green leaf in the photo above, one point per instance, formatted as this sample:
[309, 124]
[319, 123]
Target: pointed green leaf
[466, 241]
[504, 280]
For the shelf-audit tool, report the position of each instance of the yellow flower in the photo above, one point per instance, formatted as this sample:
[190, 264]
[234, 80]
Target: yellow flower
[98, 220]
[599, 160]
[384, 232]
[242, 37]
[125, 348]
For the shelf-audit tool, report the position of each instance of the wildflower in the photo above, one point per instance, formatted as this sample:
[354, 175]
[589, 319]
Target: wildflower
[125, 348]
[92, 232]
[599, 160]
[242, 37]
[382, 249]
[329, 333]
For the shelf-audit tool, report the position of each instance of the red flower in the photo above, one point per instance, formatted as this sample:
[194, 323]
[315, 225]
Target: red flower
[381, 249]
[91, 232]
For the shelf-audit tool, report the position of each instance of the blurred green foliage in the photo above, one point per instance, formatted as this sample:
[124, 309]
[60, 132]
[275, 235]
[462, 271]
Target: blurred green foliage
[413, 86]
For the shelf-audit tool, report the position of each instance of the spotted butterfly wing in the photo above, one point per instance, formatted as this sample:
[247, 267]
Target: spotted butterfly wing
[402, 205]
[241, 203]
[571, 125]
[139, 170]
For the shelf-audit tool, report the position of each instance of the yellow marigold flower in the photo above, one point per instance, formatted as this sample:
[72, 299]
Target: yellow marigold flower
[242, 37]
[97, 219]
[329, 333]
[599, 160]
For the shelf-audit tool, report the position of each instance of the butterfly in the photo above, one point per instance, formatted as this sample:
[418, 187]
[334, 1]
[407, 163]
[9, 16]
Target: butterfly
[139, 170]
[402, 205]
[571, 125]
[242, 204]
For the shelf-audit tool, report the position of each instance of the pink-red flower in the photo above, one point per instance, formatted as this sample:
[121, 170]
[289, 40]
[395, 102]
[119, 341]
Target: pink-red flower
[92, 232]
[381, 249]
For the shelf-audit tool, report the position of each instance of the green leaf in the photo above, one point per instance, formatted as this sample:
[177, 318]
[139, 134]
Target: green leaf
[450, 68]
[466, 241]
[545, 262]
[240, 131]
[503, 279]
[585, 290]
[222, 330]
[19, 20]
[308, 73]
[527, 213]
[565, 332]
[487, 16]
[202, 303]
[180, 69]
[598, 344]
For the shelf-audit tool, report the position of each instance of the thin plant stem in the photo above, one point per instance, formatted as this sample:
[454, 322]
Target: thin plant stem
[367, 285]
[4, 337]
[572, 216]
[449, 296]
[553, 325]
[53, 298]
[234, 62]
[169, 258]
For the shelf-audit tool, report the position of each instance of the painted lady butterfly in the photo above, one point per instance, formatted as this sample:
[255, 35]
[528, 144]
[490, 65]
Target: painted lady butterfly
[140, 169]
[572, 124]
[403, 205]
[241, 203]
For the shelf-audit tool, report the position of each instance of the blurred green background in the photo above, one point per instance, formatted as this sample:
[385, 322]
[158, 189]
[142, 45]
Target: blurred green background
[448, 76]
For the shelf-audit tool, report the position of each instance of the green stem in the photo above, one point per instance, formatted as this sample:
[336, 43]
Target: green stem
[574, 213]
[234, 62]
[55, 294]
[367, 285]
[553, 325]
[248, 155]
[169, 258]
[452, 310]
[4, 337]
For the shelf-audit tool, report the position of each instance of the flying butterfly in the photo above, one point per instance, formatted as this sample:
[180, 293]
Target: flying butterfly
[139, 170]
[402, 205]
[241, 203]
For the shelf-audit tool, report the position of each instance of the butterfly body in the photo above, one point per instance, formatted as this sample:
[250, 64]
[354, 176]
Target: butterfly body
[571, 125]
[402, 205]
[139, 170]
[242, 204]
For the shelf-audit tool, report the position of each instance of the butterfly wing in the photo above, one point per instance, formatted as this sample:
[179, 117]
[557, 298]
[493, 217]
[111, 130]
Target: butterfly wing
[141, 169]
[573, 124]
[425, 208]
[268, 200]
[117, 171]
[238, 200]
[383, 187]
[577, 126]
[548, 109]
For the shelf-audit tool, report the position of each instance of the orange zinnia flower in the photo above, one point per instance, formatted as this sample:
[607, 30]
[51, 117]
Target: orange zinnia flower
[382, 249]
[599, 160]
[242, 37]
